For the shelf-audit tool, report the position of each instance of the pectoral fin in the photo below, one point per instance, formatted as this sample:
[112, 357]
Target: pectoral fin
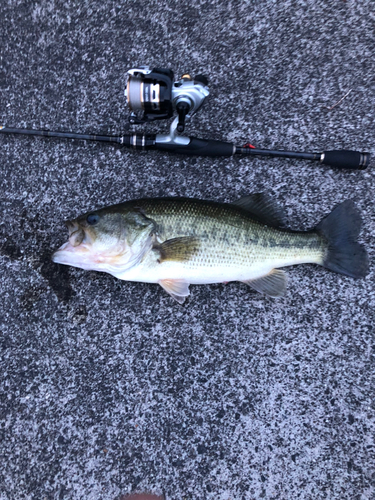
[178, 289]
[272, 284]
[178, 249]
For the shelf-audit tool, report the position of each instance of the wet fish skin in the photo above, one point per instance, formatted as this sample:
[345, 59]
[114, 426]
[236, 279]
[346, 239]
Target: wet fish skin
[179, 241]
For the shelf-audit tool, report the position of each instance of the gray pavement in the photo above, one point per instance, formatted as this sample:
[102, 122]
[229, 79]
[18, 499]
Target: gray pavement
[108, 387]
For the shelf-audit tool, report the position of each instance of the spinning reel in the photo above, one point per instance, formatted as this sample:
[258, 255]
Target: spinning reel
[155, 93]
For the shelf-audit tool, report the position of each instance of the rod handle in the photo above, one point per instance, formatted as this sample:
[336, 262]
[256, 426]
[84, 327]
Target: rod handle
[199, 147]
[341, 158]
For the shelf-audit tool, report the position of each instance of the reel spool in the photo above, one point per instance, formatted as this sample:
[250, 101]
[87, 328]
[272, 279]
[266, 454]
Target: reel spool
[150, 92]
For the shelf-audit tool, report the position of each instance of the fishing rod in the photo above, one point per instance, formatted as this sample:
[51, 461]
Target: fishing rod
[153, 95]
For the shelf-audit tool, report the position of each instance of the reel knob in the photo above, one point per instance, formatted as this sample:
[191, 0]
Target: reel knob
[182, 109]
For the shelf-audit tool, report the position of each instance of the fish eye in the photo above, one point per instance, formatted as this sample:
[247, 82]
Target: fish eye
[92, 219]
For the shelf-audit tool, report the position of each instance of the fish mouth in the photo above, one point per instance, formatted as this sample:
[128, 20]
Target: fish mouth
[71, 255]
[76, 233]
[85, 250]
[75, 251]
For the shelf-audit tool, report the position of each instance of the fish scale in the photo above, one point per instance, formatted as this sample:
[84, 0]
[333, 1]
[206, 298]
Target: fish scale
[230, 239]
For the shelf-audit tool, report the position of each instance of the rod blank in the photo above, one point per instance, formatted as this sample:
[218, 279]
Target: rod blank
[61, 135]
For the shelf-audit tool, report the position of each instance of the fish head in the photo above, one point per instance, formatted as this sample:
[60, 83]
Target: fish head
[105, 241]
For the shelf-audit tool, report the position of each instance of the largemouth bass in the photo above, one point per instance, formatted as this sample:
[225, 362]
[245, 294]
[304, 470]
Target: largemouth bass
[176, 242]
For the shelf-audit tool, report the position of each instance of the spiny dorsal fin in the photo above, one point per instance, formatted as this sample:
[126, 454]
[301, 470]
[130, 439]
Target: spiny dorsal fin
[272, 284]
[178, 249]
[263, 208]
[178, 289]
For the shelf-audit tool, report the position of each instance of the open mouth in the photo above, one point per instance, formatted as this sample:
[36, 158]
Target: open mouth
[73, 252]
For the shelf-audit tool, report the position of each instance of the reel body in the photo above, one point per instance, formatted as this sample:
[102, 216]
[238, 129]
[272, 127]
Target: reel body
[154, 94]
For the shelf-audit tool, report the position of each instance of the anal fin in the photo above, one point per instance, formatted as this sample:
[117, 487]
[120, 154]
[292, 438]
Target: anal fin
[178, 289]
[272, 284]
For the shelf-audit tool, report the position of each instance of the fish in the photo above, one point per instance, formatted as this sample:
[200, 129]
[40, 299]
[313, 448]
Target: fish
[176, 242]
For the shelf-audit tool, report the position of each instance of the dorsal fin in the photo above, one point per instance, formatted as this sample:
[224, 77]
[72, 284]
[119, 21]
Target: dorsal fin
[263, 209]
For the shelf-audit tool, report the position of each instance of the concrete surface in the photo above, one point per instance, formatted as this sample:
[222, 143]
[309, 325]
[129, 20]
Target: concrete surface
[108, 387]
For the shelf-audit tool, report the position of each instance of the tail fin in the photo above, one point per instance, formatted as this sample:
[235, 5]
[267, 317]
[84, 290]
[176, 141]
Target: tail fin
[341, 229]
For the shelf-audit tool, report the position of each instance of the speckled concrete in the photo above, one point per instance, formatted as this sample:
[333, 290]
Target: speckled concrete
[108, 387]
